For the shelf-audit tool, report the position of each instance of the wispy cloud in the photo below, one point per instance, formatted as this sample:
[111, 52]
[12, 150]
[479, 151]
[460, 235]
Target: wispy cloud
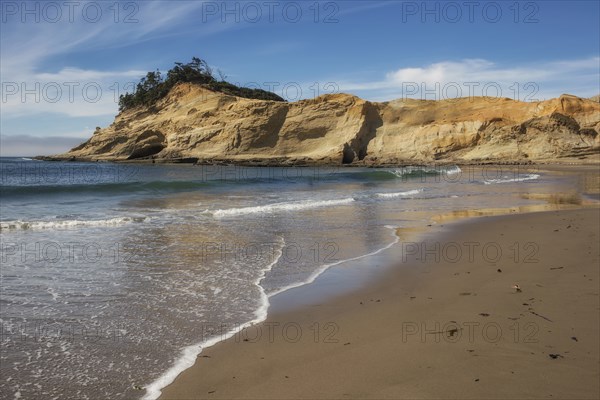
[36, 41]
[360, 7]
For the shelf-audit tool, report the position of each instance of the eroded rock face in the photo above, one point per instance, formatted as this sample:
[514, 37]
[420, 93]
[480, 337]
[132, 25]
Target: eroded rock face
[195, 123]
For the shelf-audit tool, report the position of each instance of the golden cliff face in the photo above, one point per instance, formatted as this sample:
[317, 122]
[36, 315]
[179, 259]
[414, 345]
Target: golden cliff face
[195, 123]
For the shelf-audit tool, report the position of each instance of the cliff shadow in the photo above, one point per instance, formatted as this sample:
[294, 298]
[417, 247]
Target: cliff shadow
[356, 149]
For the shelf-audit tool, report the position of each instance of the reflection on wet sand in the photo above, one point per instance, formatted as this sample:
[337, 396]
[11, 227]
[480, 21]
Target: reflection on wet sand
[554, 202]
[557, 198]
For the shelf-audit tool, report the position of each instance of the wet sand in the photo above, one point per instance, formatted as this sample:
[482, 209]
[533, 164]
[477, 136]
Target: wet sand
[444, 323]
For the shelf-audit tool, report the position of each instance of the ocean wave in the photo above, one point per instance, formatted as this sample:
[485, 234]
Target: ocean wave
[103, 188]
[279, 207]
[415, 171]
[505, 179]
[19, 186]
[386, 174]
[399, 194]
[67, 224]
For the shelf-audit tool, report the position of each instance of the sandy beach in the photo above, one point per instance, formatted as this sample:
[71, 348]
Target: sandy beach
[445, 322]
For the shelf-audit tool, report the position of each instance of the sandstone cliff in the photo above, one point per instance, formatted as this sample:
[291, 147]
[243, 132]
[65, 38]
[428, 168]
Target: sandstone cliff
[195, 124]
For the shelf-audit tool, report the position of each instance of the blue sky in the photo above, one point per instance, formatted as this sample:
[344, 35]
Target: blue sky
[63, 65]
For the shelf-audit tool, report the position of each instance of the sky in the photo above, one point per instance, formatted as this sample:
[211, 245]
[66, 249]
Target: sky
[63, 64]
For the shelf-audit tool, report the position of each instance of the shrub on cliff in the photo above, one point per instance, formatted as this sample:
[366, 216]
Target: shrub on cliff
[154, 87]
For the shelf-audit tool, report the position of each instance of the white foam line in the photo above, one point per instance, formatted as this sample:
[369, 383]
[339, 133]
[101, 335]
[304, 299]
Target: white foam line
[65, 224]
[280, 207]
[190, 353]
[454, 170]
[399, 194]
[442, 171]
[325, 267]
[527, 177]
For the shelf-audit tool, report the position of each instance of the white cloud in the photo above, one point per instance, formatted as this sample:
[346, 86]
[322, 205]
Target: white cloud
[448, 79]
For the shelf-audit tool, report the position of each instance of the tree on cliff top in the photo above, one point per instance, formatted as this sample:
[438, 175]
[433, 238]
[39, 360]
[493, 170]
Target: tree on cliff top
[153, 87]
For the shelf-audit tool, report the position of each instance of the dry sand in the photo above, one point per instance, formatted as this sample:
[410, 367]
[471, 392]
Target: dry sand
[432, 328]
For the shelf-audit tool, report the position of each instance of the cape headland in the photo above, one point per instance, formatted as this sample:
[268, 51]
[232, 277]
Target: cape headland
[195, 123]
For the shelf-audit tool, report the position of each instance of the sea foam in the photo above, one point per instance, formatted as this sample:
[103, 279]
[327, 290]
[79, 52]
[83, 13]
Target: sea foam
[280, 207]
[66, 224]
[399, 194]
[506, 179]
[189, 354]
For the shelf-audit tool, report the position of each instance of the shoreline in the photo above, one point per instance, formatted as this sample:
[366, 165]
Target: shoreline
[280, 162]
[185, 361]
[333, 312]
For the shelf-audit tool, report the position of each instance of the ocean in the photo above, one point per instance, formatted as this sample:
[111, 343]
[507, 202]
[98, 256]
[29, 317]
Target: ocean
[115, 276]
